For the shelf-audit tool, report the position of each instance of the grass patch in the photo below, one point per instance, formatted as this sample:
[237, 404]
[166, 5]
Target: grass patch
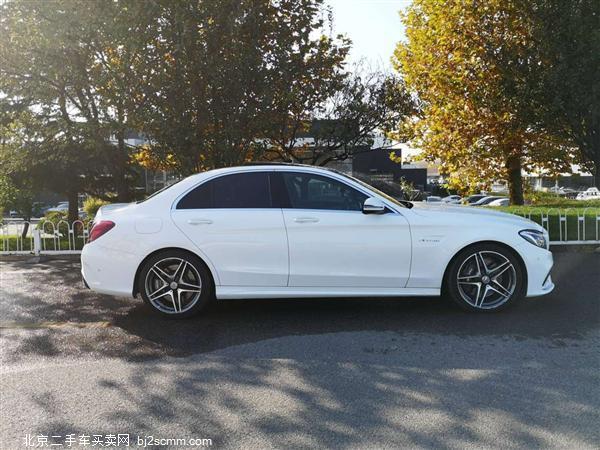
[14, 243]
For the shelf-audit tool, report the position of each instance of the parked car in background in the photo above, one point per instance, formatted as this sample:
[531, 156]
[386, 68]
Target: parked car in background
[452, 199]
[61, 207]
[500, 202]
[486, 200]
[433, 199]
[292, 231]
[473, 198]
[590, 194]
[37, 209]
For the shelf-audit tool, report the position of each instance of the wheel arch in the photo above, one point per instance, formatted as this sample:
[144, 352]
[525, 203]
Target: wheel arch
[498, 243]
[135, 290]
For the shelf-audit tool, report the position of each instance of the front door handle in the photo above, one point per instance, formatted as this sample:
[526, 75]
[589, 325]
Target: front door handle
[306, 220]
[199, 221]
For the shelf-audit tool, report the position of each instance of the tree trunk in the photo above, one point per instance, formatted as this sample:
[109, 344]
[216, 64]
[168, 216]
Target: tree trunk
[515, 180]
[596, 173]
[73, 214]
[25, 228]
[123, 194]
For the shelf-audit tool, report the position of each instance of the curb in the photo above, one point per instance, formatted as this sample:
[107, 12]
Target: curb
[580, 248]
[32, 259]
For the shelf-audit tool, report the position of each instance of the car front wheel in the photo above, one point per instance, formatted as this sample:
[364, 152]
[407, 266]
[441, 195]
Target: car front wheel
[175, 283]
[485, 278]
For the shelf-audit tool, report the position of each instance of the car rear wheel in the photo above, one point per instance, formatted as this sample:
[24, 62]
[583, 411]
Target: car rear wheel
[485, 278]
[175, 284]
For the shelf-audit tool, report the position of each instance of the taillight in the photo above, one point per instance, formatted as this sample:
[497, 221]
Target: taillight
[100, 228]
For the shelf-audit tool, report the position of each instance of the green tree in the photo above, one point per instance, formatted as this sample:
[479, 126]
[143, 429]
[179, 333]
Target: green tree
[37, 154]
[17, 195]
[16, 185]
[470, 63]
[69, 62]
[220, 76]
[566, 36]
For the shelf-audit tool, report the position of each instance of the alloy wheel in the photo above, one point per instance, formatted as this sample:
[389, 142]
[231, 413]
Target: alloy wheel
[173, 285]
[486, 279]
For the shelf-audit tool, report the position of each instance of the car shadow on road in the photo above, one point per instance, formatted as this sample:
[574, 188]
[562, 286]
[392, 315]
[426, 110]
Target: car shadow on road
[135, 332]
[565, 315]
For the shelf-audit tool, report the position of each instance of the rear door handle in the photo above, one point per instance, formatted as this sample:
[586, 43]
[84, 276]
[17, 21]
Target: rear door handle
[199, 221]
[306, 219]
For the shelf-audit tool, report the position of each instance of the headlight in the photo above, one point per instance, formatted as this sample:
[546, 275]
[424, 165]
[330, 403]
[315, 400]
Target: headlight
[535, 237]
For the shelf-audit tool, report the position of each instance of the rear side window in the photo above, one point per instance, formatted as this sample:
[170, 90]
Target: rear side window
[241, 190]
[199, 198]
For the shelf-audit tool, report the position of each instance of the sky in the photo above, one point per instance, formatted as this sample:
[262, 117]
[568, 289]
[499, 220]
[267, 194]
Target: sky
[373, 26]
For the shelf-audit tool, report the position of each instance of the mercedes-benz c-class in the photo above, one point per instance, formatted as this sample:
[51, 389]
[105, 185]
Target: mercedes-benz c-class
[291, 231]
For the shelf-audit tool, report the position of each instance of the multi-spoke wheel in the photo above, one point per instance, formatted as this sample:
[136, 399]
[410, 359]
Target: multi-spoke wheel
[485, 277]
[175, 283]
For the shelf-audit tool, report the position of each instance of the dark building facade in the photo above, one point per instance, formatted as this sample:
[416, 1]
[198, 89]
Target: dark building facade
[377, 164]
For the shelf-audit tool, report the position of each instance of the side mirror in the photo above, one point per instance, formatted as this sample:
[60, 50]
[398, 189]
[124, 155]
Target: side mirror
[373, 205]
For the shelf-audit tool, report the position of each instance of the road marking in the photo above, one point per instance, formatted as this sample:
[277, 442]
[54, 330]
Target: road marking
[46, 325]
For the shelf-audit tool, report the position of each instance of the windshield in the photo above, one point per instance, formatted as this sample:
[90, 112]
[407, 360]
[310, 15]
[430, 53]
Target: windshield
[402, 203]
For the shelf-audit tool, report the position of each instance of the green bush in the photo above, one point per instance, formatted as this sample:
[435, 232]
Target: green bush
[91, 205]
[550, 200]
[54, 217]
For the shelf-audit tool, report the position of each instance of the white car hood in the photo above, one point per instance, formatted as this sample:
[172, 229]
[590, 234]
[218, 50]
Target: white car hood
[428, 210]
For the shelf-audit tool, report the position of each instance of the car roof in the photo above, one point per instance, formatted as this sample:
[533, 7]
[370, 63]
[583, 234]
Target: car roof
[274, 163]
[255, 166]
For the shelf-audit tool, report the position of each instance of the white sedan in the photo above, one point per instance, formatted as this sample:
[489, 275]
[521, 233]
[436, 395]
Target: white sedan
[452, 199]
[290, 231]
[499, 202]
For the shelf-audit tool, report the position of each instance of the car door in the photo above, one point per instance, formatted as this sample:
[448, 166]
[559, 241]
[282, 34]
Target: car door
[332, 243]
[231, 219]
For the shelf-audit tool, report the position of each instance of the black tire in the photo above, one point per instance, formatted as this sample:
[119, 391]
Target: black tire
[499, 283]
[176, 284]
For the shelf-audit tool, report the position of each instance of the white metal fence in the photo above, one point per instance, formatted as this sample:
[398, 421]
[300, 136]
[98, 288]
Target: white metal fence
[566, 227]
[43, 237]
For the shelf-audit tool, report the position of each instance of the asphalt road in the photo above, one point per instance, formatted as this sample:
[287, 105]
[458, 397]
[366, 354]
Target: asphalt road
[301, 374]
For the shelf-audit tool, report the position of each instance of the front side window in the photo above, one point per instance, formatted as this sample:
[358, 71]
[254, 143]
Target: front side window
[240, 190]
[310, 191]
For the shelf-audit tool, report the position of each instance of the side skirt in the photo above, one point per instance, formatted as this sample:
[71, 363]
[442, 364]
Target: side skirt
[248, 292]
